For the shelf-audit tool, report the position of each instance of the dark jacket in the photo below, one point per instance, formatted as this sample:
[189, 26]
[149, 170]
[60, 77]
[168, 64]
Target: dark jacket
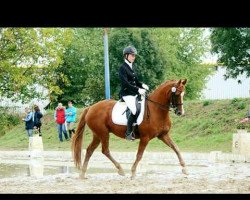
[37, 118]
[129, 81]
[29, 123]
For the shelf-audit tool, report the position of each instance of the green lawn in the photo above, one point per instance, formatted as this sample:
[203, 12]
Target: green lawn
[207, 126]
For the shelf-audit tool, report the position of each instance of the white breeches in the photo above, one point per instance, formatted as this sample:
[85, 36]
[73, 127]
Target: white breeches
[130, 102]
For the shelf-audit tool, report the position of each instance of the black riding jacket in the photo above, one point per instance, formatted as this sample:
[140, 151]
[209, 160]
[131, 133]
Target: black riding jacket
[129, 81]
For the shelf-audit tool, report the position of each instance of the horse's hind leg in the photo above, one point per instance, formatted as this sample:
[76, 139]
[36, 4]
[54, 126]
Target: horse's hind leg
[167, 140]
[142, 145]
[92, 146]
[106, 152]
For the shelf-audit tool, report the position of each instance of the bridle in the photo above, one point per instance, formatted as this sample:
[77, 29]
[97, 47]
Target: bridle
[173, 101]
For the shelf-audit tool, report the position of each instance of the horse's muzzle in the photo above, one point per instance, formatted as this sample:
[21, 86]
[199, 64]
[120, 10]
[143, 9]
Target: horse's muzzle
[177, 112]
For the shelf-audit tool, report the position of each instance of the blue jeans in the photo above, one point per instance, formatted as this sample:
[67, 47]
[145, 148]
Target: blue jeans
[61, 128]
[29, 132]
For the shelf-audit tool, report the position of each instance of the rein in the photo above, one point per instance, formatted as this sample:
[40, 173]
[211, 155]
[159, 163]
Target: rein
[164, 107]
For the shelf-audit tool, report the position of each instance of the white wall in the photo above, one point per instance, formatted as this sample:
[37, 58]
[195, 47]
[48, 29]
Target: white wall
[218, 88]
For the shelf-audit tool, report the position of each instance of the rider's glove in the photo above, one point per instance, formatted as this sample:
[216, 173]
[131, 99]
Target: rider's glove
[145, 86]
[142, 91]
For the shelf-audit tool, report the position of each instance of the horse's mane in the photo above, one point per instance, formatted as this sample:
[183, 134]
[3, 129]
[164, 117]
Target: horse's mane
[164, 84]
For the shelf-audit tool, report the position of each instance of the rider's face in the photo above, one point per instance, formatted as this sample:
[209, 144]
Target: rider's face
[131, 58]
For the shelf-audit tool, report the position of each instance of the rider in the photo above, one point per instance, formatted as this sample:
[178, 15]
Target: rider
[130, 87]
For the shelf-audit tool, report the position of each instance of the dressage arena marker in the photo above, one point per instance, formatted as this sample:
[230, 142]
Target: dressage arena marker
[241, 143]
[36, 165]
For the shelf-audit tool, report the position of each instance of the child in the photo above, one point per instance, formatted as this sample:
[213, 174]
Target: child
[37, 119]
[29, 122]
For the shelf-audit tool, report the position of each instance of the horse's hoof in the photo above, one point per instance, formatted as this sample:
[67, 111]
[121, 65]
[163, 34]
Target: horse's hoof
[132, 177]
[82, 176]
[184, 171]
[121, 172]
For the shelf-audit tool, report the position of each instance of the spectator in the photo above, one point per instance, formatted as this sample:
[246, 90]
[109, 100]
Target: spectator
[37, 119]
[70, 118]
[29, 121]
[59, 116]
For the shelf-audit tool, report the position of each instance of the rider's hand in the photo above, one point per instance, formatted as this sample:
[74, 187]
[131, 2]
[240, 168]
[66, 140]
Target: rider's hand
[145, 86]
[142, 91]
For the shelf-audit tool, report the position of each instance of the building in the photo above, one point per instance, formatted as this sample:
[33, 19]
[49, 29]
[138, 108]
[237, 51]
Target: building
[219, 88]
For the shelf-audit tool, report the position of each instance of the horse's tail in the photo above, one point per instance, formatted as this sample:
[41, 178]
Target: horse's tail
[77, 139]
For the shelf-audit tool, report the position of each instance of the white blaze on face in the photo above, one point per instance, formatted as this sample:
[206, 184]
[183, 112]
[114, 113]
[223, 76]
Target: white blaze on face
[182, 108]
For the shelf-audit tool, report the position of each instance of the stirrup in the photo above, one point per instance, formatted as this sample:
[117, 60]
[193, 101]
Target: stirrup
[130, 138]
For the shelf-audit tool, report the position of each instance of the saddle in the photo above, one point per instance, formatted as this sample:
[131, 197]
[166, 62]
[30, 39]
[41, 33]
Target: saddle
[120, 111]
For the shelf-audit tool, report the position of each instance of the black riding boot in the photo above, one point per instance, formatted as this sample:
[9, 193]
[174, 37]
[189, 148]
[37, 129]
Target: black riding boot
[129, 132]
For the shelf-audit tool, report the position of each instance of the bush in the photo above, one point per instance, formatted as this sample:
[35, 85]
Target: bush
[13, 120]
[241, 106]
[241, 126]
[7, 121]
[206, 103]
[216, 113]
[234, 100]
[238, 104]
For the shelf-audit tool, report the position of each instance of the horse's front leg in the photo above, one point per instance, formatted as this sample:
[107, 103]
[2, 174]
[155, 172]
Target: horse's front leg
[167, 140]
[142, 145]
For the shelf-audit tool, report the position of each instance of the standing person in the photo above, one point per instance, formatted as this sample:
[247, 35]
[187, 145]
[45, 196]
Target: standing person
[29, 122]
[130, 87]
[59, 116]
[37, 119]
[71, 118]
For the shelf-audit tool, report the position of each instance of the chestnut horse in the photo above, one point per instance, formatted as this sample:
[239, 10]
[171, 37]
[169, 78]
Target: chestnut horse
[156, 123]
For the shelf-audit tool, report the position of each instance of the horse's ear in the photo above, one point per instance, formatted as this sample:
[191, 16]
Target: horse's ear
[179, 82]
[184, 82]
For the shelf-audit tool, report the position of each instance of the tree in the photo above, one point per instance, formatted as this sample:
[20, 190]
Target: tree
[28, 56]
[233, 48]
[163, 54]
[148, 62]
[82, 67]
[182, 49]
[84, 63]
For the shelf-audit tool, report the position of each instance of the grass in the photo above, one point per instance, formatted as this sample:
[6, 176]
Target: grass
[207, 126]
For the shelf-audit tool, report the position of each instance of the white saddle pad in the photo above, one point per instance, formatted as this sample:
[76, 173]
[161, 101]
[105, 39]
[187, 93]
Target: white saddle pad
[119, 114]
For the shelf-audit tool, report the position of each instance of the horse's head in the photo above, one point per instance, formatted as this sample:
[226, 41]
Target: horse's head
[170, 94]
[176, 101]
